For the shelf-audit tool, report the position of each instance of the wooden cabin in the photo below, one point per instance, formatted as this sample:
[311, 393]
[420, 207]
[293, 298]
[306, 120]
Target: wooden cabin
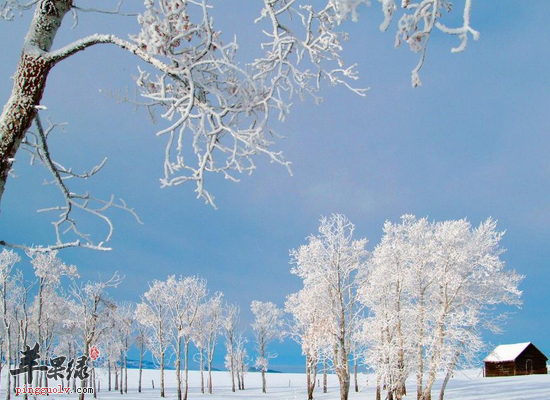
[515, 359]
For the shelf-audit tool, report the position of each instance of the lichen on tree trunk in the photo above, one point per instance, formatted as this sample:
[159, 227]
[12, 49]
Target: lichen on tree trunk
[29, 81]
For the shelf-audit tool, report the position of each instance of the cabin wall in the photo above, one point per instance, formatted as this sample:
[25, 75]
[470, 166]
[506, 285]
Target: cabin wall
[507, 368]
[536, 366]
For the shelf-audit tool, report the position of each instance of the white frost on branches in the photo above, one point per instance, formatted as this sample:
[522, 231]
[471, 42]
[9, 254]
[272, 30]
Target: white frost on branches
[417, 24]
[332, 267]
[267, 327]
[433, 288]
[49, 268]
[9, 7]
[220, 108]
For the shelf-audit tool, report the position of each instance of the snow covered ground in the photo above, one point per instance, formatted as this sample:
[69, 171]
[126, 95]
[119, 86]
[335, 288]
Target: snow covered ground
[466, 385]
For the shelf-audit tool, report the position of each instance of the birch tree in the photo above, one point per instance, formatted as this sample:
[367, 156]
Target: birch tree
[153, 313]
[267, 327]
[49, 269]
[309, 328]
[334, 263]
[471, 281]
[124, 317]
[214, 315]
[183, 296]
[229, 323]
[389, 297]
[433, 288]
[8, 259]
[198, 337]
[142, 342]
[216, 105]
[205, 334]
[241, 359]
[92, 305]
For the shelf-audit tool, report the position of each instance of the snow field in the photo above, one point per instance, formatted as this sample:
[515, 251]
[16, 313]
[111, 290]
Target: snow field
[466, 385]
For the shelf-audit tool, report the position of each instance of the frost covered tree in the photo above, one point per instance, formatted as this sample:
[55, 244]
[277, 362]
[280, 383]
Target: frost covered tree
[8, 259]
[213, 310]
[66, 339]
[184, 297]
[267, 327]
[471, 281]
[388, 295]
[111, 348]
[153, 313]
[123, 317]
[198, 337]
[229, 324]
[19, 294]
[433, 288]
[218, 107]
[91, 307]
[241, 359]
[52, 323]
[309, 328]
[207, 328]
[49, 269]
[141, 342]
[333, 263]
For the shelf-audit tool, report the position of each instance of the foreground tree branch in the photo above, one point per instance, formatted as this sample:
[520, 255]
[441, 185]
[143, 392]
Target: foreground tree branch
[29, 81]
[218, 111]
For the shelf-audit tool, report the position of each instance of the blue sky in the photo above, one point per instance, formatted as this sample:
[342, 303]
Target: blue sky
[472, 142]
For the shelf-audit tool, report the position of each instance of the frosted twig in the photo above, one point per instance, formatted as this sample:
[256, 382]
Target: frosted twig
[91, 205]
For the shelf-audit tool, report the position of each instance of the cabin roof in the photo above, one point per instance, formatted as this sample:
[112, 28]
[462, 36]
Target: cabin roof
[506, 352]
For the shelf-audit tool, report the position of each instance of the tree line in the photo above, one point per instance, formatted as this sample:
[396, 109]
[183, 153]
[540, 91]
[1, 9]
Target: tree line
[416, 305]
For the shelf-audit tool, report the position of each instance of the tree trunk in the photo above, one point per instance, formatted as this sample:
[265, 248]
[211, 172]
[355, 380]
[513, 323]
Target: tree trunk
[178, 367]
[355, 375]
[311, 377]
[420, 352]
[116, 376]
[201, 361]
[94, 382]
[121, 373]
[444, 385]
[344, 388]
[83, 381]
[436, 357]
[29, 81]
[210, 377]
[325, 388]
[449, 374]
[264, 388]
[378, 389]
[26, 395]
[186, 369]
[140, 367]
[342, 368]
[109, 374]
[8, 363]
[232, 368]
[126, 371]
[162, 375]
[44, 374]
[239, 380]
[308, 379]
